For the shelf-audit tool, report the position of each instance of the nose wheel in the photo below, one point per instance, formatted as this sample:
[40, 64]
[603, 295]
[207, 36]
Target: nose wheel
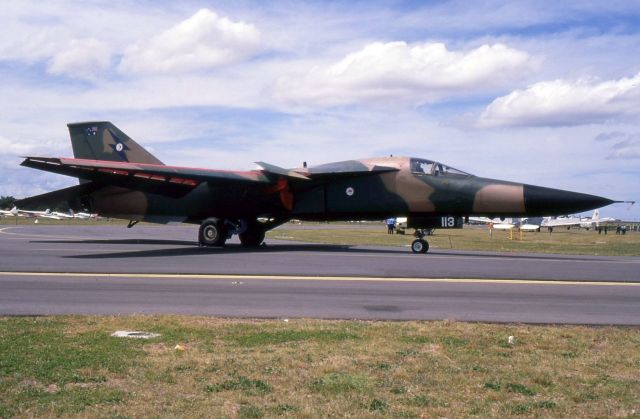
[420, 246]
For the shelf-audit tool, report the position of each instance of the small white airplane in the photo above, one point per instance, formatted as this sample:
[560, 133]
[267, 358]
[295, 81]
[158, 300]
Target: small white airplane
[9, 213]
[62, 215]
[596, 221]
[84, 215]
[562, 221]
[38, 214]
[508, 223]
[585, 222]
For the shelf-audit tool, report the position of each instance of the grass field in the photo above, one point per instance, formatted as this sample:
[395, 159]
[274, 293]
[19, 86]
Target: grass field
[573, 241]
[71, 366]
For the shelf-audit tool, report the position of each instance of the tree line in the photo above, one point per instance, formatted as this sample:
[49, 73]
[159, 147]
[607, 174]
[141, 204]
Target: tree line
[7, 202]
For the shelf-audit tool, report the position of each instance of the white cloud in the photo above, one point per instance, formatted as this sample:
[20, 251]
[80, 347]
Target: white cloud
[626, 147]
[205, 40]
[34, 31]
[626, 150]
[561, 102]
[83, 58]
[610, 136]
[12, 147]
[417, 73]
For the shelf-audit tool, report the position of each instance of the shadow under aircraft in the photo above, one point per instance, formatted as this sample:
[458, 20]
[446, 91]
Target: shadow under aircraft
[120, 179]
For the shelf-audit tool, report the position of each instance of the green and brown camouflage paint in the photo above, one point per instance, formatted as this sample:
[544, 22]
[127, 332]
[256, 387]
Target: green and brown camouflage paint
[121, 179]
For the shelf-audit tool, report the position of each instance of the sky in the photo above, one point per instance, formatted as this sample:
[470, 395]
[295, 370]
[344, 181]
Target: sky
[541, 92]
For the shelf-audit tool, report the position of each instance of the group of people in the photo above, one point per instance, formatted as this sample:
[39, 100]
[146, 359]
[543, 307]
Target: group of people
[619, 230]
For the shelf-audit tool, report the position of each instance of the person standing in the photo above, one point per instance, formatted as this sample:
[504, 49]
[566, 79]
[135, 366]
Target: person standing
[391, 225]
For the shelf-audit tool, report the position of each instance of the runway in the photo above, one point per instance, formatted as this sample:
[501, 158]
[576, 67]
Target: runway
[160, 270]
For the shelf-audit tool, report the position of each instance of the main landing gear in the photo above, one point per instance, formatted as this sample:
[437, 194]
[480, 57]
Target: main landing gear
[253, 235]
[214, 232]
[420, 245]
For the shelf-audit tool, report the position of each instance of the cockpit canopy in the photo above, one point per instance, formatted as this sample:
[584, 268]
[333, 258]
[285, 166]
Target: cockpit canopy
[429, 167]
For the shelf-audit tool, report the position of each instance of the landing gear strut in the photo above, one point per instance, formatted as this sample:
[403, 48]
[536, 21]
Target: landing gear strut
[420, 245]
[253, 236]
[212, 233]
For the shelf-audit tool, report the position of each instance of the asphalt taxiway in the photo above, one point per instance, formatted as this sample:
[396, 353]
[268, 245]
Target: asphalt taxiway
[114, 270]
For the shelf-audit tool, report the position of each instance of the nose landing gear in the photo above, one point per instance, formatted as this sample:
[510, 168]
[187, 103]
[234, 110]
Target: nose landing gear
[420, 245]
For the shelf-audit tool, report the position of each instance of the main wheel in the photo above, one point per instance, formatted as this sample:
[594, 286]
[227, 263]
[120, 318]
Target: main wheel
[419, 246]
[212, 233]
[253, 237]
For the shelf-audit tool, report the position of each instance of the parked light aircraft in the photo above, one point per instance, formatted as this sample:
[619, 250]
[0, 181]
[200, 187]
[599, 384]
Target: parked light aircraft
[120, 179]
[38, 214]
[524, 224]
[594, 221]
[9, 213]
[62, 215]
[84, 215]
[562, 221]
[55, 215]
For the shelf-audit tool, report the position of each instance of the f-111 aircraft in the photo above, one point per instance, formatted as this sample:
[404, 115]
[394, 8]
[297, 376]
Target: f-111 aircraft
[120, 179]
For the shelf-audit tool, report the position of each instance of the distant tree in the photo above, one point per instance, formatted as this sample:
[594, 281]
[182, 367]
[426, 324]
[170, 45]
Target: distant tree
[7, 202]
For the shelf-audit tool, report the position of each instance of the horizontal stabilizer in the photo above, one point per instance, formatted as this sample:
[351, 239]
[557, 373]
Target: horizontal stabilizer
[62, 196]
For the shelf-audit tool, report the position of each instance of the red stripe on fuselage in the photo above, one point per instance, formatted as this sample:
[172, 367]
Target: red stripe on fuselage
[143, 165]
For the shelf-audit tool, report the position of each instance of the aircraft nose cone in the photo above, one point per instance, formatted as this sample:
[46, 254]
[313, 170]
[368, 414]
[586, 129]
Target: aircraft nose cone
[547, 201]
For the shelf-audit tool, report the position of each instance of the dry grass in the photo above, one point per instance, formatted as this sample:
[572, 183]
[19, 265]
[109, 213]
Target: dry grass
[561, 241]
[70, 366]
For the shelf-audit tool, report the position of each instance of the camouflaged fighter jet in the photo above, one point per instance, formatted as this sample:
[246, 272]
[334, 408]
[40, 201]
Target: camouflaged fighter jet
[120, 179]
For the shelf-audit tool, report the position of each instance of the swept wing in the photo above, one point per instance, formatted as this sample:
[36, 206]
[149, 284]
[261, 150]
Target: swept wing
[164, 180]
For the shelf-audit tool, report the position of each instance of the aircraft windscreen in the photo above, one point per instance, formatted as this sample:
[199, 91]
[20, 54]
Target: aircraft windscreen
[421, 166]
[429, 167]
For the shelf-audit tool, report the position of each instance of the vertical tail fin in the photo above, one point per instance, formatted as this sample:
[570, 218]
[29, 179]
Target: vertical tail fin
[104, 141]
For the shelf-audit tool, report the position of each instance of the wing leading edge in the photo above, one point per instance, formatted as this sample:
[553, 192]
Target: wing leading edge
[143, 176]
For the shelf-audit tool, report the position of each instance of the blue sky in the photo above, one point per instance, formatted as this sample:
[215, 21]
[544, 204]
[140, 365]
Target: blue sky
[530, 91]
